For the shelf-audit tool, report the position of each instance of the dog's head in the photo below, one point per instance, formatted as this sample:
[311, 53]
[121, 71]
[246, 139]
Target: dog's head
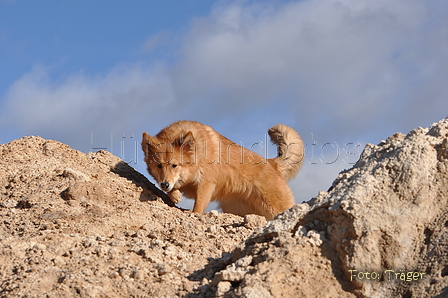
[167, 159]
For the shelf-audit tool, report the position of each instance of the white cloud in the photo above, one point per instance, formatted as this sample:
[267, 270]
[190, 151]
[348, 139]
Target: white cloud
[329, 63]
[73, 108]
[345, 61]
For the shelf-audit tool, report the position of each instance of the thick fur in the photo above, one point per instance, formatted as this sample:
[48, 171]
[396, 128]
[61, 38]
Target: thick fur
[192, 158]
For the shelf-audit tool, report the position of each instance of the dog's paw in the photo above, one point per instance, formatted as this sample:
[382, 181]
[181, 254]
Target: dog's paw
[175, 196]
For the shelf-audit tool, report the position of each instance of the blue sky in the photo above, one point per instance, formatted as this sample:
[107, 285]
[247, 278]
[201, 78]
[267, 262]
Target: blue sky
[342, 73]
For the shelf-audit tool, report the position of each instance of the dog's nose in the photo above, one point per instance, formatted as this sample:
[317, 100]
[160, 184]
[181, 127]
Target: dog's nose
[165, 185]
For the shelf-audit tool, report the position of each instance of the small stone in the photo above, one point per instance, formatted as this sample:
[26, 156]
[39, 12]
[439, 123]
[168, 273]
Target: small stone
[163, 268]
[222, 288]
[139, 274]
[73, 203]
[53, 215]
[255, 292]
[244, 262]
[114, 275]
[125, 273]
[29, 202]
[252, 221]
[9, 203]
[70, 173]
[314, 238]
[231, 274]
[301, 231]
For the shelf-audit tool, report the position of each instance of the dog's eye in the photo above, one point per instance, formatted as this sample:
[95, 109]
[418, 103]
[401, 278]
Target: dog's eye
[159, 166]
[174, 166]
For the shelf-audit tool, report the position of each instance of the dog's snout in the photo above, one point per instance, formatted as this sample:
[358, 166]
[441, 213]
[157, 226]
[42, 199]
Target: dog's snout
[164, 185]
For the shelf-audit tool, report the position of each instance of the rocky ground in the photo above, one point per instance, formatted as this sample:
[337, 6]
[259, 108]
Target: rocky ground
[88, 225]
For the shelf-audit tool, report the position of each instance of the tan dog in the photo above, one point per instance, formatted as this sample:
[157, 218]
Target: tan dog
[192, 158]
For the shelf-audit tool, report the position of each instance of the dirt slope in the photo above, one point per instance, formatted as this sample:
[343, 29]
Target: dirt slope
[78, 225]
[88, 225]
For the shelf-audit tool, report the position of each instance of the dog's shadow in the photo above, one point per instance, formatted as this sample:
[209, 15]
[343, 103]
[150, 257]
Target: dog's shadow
[150, 191]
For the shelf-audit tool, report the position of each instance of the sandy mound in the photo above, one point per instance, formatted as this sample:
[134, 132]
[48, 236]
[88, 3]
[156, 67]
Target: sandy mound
[83, 225]
[88, 225]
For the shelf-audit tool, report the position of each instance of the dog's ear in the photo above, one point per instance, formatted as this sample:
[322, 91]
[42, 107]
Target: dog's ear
[148, 143]
[186, 143]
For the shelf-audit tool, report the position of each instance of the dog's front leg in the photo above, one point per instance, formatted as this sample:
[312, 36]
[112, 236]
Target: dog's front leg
[203, 197]
[175, 196]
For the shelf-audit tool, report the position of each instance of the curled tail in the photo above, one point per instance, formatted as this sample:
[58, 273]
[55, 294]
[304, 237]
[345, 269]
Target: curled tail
[290, 150]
